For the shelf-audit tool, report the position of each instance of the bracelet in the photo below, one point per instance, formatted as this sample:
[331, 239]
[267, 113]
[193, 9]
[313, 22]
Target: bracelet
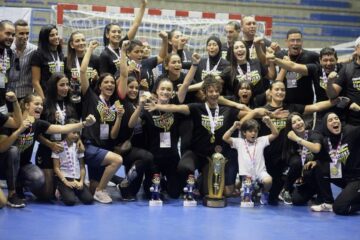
[299, 141]
[83, 124]
[195, 64]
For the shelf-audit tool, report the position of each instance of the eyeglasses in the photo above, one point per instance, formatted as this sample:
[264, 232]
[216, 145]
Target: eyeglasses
[17, 64]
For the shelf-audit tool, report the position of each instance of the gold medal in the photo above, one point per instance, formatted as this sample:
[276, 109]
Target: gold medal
[334, 171]
[212, 139]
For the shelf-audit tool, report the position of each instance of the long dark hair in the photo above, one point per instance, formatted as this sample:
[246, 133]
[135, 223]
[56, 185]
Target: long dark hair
[43, 43]
[290, 147]
[247, 85]
[71, 53]
[51, 100]
[233, 60]
[107, 30]
[114, 96]
[130, 80]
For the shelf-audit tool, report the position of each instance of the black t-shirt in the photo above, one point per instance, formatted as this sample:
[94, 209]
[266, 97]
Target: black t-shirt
[201, 140]
[349, 80]
[349, 153]
[5, 63]
[256, 76]
[312, 136]
[3, 119]
[73, 74]
[299, 88]
[252, 50]
[201, 70]
[225, 51]
[274, 150]
[108, 60]
[104, 113]
[146, 70]
[48, 64]
[25, 141]
[159, 123]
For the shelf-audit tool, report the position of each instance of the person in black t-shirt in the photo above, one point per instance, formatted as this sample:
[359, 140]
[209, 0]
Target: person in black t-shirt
[99, 140]
[57, 110]
[214, 63]
[347, 83]
[298, 87]
[110, 56]
[300, 145]
[76, 49]
[177, 43]
[338, 163]
[241, 69]
[47, 59]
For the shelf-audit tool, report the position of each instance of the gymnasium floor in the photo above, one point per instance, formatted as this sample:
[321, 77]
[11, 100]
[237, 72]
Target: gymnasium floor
[136, 220]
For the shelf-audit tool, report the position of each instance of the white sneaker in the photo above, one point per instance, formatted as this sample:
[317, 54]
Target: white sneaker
[324, 207]
[102, 196]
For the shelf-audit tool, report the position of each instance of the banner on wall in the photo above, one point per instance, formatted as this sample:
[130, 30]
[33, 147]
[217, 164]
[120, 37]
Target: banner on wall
[14, 13]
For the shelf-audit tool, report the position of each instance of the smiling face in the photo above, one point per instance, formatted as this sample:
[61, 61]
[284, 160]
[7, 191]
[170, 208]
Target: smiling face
[240, 52]
[164, 91]
[328, 62]
[62, 88]
[54, 39]
[34, 107]
[78, 43]
[174, 65]
[277, 92]
[133, 90]
[146, 49]
[297, 124]
[114, 35]
[212, 94]
[22, 35]
[7, 35]
[212, 48]
[107, 86]
[333, 124]
[294, 43]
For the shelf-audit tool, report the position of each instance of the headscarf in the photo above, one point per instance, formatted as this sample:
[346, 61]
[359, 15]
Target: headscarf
[214, 59]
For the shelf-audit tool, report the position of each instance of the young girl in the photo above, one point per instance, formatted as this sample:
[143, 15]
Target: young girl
[250, 150]
[47, 59]
[69, 168]
[299, 149]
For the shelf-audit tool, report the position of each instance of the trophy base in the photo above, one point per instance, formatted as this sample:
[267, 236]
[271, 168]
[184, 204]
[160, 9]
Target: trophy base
[214, 202]
[155, 203]
[190, 203]
[247, 204]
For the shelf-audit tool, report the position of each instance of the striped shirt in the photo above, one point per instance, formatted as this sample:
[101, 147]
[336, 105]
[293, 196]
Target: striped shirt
[20, 79]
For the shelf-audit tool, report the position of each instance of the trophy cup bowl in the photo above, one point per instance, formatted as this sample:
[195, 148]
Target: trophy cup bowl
[216, 182]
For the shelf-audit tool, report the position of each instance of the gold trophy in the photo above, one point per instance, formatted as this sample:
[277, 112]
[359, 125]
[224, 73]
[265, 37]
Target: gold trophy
[216, 182]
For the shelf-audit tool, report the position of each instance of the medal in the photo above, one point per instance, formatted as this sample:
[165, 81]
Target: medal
[334, 171]
[212, 139]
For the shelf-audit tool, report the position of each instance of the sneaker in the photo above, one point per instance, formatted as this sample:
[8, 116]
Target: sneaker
[264, 199]
[125, 195]
[102, 196]
[285, 197]
[15, 202]
[324, 207]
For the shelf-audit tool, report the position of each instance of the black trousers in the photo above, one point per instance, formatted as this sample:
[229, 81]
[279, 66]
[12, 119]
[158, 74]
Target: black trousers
[69, 195]
[10, 165]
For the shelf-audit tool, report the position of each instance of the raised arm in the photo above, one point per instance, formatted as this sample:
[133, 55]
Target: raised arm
[274, 132]
[332, 89]
[256, 113]
[119, 114]
[259, 44]
[123, 78]
[164, 47]
[195, 58]
[16, 120]
[227, 135]
[84, 82]
[137, 21]
[320, 106]
[183, 109]
[7, 141]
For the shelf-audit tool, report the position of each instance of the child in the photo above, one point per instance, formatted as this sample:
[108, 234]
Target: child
[250, 151]
[69, 167]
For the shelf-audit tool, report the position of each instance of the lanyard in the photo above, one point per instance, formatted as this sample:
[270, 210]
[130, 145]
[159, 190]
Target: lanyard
[77, 65]
[247, 75]
[62, 113]
[252, 158]
[335, 153]
[213, 120]
[214, 68]
[113, 51]
[304, 150]
[56, 61]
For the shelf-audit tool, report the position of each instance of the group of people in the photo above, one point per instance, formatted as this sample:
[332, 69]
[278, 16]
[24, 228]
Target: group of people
[286, 119]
